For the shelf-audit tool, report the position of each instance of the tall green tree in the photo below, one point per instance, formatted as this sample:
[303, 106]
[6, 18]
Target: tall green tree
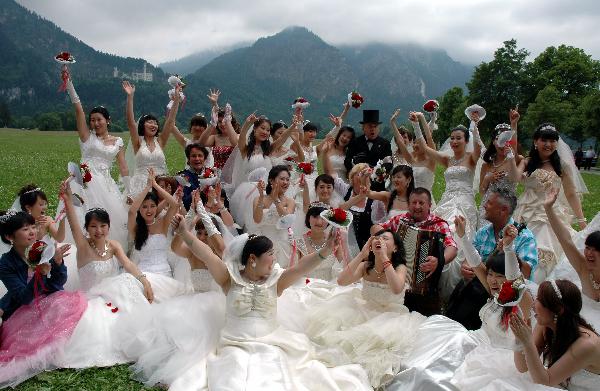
[5, 117]
[549, 106]
[497, 85]
[49, 121]
[588, 115]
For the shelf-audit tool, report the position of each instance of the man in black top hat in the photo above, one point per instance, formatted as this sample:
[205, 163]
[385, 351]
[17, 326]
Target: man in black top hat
[368, 148]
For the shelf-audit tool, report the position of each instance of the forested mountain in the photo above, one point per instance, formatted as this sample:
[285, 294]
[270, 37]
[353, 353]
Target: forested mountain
[266, 76]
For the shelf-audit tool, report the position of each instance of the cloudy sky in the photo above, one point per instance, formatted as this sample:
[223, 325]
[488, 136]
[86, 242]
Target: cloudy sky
[469, 31]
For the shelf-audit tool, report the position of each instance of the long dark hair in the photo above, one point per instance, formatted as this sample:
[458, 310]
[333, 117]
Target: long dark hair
[407, 171]
[398, 257]
[568, 319]
[265, 145]
[256, 245]
[234, 124]
[141, 228]
[275, 171]
[545, 131]
[11, 223]
[142, 121]
[28, 196]
[341, 131]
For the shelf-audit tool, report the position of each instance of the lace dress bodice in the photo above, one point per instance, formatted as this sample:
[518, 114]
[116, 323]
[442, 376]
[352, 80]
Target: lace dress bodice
[337, 164]
[381, 296]
[94, 272]
[280, 160]
[531, 203]
[145, 159]
[152, 257]
[424, 177]
[459, 181]
[325, 268]
[98, 156]
[201, 280]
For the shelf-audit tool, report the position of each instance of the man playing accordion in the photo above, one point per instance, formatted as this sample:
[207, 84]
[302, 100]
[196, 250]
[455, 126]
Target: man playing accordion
[427, 239]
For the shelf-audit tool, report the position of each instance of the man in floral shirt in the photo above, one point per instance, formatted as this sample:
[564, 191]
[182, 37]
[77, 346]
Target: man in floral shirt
[419, 215]
[196, 155]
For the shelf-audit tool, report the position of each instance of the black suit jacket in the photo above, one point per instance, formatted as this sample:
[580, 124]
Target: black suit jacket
[380, 149]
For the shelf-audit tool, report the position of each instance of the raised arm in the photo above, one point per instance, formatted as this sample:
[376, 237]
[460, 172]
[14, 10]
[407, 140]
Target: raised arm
[576, 258]
[135, 207]
[213, 263]
[398, 138]
[170, 121]
[356, 268]
[82, 128]
[242, 146]
[427, 130]
[471, 255]
[420, 139]
[76, 231]
[131, 123]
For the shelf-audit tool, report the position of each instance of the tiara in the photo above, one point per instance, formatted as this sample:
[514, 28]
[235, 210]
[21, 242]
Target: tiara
[549, 127]
[503, 126]
[33, 190]
[556, 290]
[319, 204]
[96, 210]
[8, 215]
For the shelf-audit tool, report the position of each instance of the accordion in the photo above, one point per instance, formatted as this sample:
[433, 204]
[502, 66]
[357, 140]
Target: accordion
[418, 245]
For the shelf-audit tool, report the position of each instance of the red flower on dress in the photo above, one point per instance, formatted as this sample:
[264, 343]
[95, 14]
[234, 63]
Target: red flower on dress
[115, 310]
[109, 304]
[306, 281]
[507, 293]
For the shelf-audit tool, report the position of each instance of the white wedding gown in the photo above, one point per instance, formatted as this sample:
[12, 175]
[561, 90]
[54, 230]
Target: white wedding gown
[338, 167]
[102, 191]
[145, 159]
[458, 200]
[111, 296]
[370, 325]
[169, 340]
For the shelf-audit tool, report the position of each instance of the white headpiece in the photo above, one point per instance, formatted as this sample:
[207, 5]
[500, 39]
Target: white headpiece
[556, 290]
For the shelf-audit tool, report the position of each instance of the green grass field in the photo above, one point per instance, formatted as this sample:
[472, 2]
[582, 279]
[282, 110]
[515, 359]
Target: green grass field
[42, 157]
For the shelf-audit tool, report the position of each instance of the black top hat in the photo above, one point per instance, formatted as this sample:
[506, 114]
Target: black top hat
[370, 117]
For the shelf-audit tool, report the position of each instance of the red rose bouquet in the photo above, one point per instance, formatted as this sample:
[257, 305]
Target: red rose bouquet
[509, 297]
[305, 168]
[64, 58]
[337, 217]
[355, 99]
[86, 174]
[300, 104]
[208, 177]
[38, 252]
[431, 105]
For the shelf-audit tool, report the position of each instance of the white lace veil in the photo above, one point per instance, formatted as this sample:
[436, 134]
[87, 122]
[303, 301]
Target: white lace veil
[232, 256]
[567, 159]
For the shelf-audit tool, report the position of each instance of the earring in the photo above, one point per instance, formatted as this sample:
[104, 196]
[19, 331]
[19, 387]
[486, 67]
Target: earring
[555, 318]
[253, 264]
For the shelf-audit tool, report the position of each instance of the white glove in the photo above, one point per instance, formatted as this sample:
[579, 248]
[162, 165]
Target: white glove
[71, 91]
[471, 255]
[211, 229]
[417, 128]
[511, 264]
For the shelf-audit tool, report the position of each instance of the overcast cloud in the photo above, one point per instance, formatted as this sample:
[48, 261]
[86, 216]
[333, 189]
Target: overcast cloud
[469, 31]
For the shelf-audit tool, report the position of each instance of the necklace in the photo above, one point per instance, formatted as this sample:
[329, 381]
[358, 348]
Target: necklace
[455, 162]
[595, 284]
[545, 161]
[152, 223]
[496, 165]
[379, 274]
[400, 199]
[101, 254]
[315, 247]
